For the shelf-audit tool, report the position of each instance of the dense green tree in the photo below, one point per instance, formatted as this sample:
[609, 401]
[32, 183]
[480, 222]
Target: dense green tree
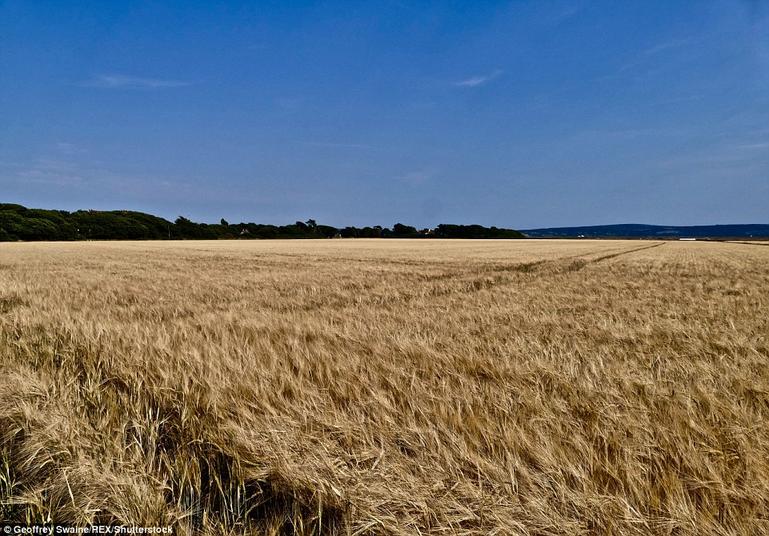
[473, 231]
[404, 231]
[20, 223]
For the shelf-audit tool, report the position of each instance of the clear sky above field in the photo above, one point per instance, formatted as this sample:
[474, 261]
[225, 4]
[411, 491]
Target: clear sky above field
[518, 114]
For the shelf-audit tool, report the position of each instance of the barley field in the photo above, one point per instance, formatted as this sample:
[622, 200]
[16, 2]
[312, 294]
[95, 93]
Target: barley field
[387, 386]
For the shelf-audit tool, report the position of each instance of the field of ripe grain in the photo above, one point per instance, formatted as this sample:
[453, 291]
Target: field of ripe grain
[387, 386]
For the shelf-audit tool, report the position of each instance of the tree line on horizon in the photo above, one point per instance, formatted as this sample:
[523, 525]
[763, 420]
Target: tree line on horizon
[20, 223]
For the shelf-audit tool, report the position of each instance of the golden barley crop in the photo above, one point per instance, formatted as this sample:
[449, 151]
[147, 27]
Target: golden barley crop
[387, 386]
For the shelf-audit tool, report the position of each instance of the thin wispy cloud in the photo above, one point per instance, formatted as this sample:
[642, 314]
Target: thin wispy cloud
[681, 99]
[723, 155]
[566, 13]
[646, 57]
[480, 80]
[290, 104]
[666, 45]
[69, 149]
[417, 177]
[52, 172]
[339, 145]
[120, 81]
[754, 146]
[62, 174]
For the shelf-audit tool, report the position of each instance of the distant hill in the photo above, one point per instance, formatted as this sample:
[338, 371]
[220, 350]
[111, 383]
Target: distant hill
[633, 230]
[21, 223]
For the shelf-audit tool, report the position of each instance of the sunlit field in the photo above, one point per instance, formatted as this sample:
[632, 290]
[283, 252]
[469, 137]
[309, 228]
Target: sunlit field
[387, 386]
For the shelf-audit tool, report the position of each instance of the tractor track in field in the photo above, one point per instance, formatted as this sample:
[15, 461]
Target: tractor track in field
[494, 277]
[621, 253]
[747, 243]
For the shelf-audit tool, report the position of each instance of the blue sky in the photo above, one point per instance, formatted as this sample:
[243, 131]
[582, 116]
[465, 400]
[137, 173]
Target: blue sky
[519, 114]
